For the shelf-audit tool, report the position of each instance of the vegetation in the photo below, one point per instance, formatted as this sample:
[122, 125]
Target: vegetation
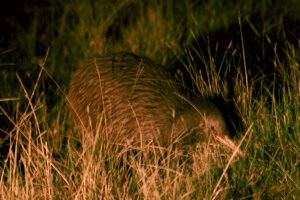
[255, 68]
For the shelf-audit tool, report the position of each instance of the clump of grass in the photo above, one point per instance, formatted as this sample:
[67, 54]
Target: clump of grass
[101, 169]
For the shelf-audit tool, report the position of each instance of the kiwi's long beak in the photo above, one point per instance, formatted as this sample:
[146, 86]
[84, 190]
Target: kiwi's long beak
[229, 143]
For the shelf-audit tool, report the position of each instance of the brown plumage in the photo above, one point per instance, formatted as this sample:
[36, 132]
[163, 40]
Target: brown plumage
[137, 100]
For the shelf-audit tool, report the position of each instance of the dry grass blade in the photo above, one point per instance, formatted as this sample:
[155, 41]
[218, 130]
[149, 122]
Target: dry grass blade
[235, 152]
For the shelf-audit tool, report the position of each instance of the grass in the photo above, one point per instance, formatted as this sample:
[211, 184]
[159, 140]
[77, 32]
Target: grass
[44, 158]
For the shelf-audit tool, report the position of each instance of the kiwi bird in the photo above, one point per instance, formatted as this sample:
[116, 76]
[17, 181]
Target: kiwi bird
[138, 100]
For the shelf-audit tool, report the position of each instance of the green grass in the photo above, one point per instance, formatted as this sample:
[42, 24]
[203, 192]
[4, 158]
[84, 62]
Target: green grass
[47, 159]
